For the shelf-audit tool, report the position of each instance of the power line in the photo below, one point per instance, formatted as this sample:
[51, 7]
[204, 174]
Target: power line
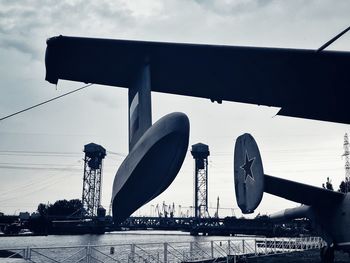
[32, 185]
[38, 164]
[35, 190]
[15, 167]
[35, 182]
[27, 153]
[117, 153]
[38, 155]
[47, 101]
[40, 152]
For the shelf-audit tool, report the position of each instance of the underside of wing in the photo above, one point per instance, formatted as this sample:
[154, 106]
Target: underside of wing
[301, 193]
[303, 83]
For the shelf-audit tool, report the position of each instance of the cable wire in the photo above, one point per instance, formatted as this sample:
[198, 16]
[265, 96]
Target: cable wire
[47, 101]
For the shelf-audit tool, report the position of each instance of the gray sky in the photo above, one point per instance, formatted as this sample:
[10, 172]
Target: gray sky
[302, 150]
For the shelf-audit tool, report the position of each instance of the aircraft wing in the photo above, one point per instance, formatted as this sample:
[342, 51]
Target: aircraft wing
[301, 193]
[304, 83]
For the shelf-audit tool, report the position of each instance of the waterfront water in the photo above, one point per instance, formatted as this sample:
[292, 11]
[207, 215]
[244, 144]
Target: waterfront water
[141, 246]
[122, 237]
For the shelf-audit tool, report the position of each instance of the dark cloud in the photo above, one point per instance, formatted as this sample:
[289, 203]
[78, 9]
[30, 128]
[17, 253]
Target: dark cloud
[19, 43]
[24, 25]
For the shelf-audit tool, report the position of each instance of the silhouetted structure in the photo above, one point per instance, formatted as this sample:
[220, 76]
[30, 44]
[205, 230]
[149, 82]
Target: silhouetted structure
[92, 181]
[347, 163]
[328, 185]
[315, 86]
[200, 153]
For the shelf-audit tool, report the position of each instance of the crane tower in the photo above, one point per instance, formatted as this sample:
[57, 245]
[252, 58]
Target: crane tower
[200, 153]
[92, 180]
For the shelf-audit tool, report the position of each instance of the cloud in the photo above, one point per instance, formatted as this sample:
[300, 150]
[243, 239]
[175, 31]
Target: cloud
[19, 43]
[234, 8]
[24, 25]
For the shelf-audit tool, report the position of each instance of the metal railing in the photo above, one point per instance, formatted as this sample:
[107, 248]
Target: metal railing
[168, 252]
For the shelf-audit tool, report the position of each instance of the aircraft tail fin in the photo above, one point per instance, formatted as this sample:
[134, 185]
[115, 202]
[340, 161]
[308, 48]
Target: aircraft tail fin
[140, 111]
[251, 182]
[248, 173]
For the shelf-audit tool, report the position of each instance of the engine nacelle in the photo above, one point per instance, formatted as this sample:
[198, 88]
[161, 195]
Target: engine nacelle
[151, 166]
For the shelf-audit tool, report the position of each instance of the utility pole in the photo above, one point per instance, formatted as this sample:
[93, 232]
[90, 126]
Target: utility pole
[347, 162]
[217, 208]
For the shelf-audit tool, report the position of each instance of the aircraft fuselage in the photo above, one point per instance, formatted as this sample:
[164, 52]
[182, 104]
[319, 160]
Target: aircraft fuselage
[333, 222]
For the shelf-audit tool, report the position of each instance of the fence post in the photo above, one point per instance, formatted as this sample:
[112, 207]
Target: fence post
[290, 245]
[88, 253]
[165, 252]
[265, 246]
[191, 250]
[283, 245]
[296, 243]
[274, 245]
[212, 248]
[255, 248]
[243, 247]
[228, 247]
[303, 243]
[29, 253]
[307, 243]
[132, 253]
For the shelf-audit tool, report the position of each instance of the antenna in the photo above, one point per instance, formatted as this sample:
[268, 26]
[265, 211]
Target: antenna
[347, 162]
[332, 40]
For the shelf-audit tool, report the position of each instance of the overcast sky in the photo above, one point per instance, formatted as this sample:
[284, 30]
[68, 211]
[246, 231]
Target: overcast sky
[41, 150]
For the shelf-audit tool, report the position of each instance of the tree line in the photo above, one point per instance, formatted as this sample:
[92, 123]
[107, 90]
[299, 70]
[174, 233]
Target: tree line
[71, 208]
